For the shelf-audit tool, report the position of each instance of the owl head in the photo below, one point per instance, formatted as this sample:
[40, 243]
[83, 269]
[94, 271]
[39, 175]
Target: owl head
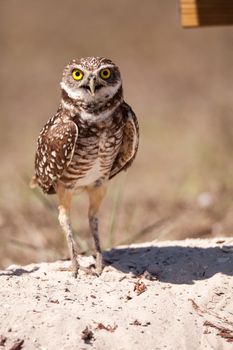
[91, 79]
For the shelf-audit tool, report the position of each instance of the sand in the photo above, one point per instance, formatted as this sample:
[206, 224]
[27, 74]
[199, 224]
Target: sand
[158, 295]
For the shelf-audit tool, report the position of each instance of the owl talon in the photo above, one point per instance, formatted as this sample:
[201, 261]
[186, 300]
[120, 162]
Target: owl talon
[90, 270]
[94, 270]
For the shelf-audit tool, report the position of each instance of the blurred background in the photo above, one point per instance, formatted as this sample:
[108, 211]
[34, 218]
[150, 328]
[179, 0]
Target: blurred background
[179, 83]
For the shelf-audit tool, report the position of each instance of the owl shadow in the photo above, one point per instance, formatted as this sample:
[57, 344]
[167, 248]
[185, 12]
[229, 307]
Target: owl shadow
[172, 264]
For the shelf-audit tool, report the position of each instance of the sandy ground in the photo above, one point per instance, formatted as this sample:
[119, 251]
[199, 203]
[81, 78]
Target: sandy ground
[159, 295]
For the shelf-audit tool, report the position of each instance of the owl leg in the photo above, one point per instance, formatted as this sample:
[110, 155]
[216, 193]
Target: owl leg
[65, 197]
[96, 195]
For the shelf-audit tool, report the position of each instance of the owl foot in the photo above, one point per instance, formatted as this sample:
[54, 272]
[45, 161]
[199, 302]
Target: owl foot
[74, 268]
[94, 270]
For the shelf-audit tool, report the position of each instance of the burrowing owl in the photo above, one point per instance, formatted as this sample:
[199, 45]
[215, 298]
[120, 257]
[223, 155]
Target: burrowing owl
[92, 137]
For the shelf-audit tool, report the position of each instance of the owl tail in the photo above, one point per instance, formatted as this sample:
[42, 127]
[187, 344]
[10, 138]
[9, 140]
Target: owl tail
[33, 183]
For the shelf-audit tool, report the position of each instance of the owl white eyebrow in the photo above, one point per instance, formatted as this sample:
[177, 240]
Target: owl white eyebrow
[106, 66]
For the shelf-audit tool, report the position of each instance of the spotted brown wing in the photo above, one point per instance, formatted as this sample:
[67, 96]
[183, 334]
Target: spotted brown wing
[55, 148]
[129, 145]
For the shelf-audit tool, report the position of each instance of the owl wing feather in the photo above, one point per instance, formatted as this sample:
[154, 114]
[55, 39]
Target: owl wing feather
[55, 148]
[129, 145]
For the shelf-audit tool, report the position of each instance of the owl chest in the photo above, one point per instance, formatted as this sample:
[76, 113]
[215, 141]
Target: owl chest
[94, 155]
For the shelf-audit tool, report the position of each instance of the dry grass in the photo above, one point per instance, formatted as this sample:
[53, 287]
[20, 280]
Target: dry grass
[179, 83]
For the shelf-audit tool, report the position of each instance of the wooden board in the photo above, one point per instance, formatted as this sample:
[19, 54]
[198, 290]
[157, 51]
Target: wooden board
[196, 13]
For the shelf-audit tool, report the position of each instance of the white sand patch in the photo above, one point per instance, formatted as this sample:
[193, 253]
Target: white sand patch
[183, 300]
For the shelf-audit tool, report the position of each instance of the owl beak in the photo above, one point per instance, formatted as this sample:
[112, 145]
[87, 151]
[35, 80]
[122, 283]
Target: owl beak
[92, 87]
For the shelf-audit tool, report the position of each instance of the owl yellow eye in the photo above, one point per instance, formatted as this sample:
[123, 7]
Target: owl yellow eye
[105, 73]
[77, 74]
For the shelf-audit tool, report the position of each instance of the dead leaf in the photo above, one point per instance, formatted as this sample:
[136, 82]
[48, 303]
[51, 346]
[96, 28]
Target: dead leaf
[139, 287]
[107, 328]
[224, 333]
[196, 307]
